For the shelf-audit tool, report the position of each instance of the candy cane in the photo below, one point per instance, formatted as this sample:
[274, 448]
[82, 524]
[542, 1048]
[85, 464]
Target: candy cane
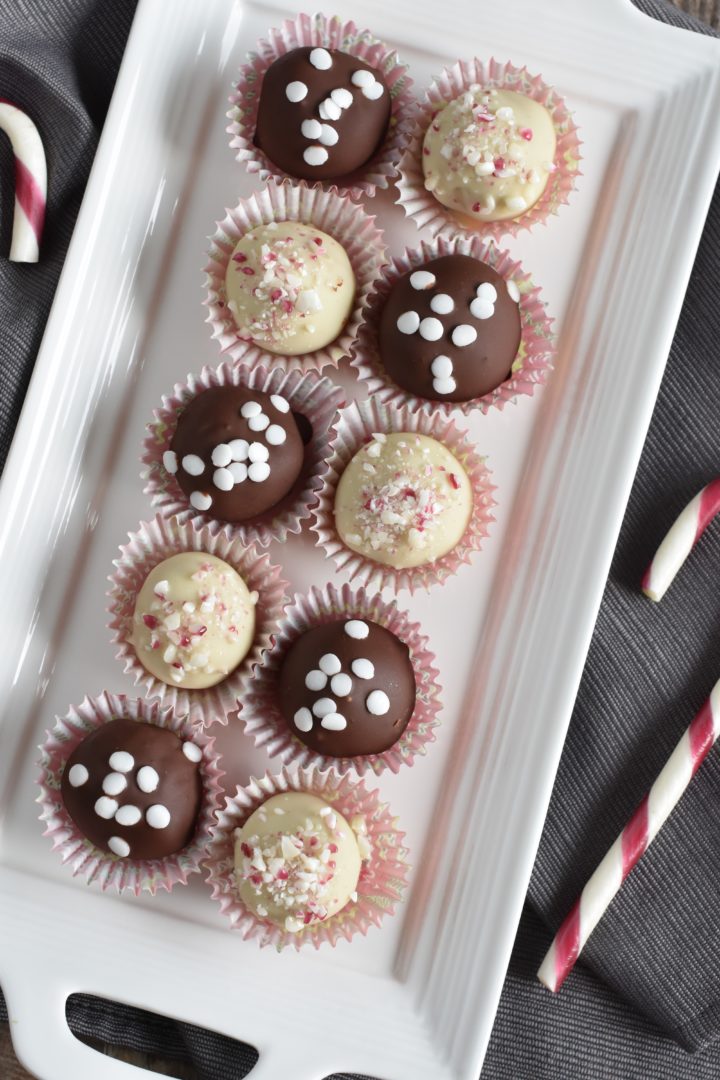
[632, 843]
[679, 542]
[30, 182]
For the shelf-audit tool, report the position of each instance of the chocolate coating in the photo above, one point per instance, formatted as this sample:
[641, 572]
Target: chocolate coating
[299, 135]
[466, 300]
[136, 746]
[259, 470]
[369, 682]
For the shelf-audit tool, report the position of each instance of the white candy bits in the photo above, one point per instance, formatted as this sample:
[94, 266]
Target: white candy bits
[315, 155]
[330, 108]
[408, 323]
[296, 91]
[377, 703]
[368, 84]
[329, 670]
[192, 752]
[483, 306]
[463, 335]
[238, 460]
[320, 59]
[157, 816]
[422, 279]
[78, 776]
[147, 779]
[442, 372]
[363, 669]
[122, 765]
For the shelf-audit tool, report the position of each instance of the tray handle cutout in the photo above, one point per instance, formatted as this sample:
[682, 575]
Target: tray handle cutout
[47, 1048]
[45, 1045]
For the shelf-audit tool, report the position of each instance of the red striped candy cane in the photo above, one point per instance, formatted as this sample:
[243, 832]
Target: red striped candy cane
[681, 539]
[30, 182]
[632, 843]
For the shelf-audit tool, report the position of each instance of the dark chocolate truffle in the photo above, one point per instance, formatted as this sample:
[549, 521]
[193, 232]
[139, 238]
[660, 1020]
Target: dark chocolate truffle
[347, 688]
[134, 789]
[235, 452]
[322, 113]
[450, 330]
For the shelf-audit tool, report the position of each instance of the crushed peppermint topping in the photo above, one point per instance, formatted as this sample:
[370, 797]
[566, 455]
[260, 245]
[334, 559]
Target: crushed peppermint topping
[404, 505]
[292, 872]
[479, 136]
[283, 294]
[178, 627]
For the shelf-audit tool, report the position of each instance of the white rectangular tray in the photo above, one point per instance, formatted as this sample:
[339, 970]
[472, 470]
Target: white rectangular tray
[415, 1000]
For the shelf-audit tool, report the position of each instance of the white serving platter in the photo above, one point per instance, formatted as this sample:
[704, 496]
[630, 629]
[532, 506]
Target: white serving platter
[416, 999]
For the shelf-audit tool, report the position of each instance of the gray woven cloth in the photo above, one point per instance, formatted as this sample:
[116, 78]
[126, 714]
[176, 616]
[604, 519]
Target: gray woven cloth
[648, 988]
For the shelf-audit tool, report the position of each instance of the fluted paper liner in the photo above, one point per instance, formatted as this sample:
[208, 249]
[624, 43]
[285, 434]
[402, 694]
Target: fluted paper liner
[333, 214]
[382, 877]
[157, 540]
[80, 854]
[424, 208]
[315, 398]
[355, 428]
[532, 364]
[330, 33]
[264, 721]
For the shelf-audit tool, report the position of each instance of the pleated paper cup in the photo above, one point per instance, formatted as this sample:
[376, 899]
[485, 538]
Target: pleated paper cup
[356, 427]
[339, 217]
[157, 540]
[329, 33]
[425, 210]
[85, 859]
[260, 711]
[537, 346]
[382, 877]
[310, 396]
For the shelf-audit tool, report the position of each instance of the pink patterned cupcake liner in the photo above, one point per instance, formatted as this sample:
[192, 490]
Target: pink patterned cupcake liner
[426, 211]
[265, 723]
[315, 398]
[382, 877]
[80, 854]
[537, 346]
[357, 425]
[333, 214]
[157, 540]
[328, 33]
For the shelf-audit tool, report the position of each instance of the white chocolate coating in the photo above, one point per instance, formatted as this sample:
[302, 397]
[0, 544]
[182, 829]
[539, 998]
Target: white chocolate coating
[290, 287]
[194, 620]
[489, 154]
[403, 500]
[297, 861]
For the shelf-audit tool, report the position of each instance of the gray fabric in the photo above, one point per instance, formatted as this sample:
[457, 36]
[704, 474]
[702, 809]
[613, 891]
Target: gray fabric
[649, 669]
[648, 987]
[58, 60]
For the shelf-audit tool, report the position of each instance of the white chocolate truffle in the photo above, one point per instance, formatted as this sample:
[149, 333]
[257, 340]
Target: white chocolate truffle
[194, 620]
[403, 500]
[290, 287]
[489, 154]
[297, 861]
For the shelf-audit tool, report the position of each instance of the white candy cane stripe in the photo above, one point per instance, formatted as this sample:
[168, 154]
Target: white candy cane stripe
[679, 542]
[30, 182]
[633, 842]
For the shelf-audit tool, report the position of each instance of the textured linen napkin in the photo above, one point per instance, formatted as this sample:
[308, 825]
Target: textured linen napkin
[649, 669]
[649, 986]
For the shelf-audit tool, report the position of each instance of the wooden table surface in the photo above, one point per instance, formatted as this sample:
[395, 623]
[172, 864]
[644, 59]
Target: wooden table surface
[10, 1069]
